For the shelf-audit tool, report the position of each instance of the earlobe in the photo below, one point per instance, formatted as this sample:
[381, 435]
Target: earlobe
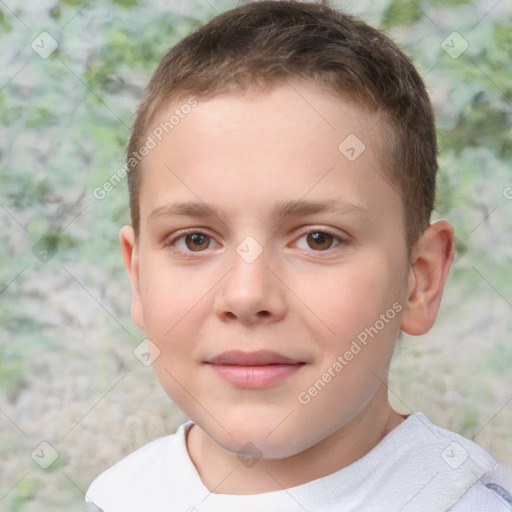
[130, 252]
[430, 263]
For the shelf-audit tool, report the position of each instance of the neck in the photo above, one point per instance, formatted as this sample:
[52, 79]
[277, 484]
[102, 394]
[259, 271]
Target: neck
[222, 472]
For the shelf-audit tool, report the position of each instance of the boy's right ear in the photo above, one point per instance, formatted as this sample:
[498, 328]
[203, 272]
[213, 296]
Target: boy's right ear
[130, 251]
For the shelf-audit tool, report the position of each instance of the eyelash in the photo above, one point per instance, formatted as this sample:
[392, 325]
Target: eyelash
[191, 254]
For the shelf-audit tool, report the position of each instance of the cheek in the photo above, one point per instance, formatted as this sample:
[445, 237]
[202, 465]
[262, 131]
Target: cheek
[360, 317]
[348, 300]
[172, 326]
[168, 297]
[173, 301]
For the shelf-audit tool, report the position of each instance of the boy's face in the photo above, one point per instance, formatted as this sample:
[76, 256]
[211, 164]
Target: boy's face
[289, 293]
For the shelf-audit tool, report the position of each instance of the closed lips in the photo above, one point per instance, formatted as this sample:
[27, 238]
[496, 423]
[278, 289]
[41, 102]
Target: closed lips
[257, 358]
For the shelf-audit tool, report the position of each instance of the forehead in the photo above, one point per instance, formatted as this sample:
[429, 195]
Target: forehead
[257, 147]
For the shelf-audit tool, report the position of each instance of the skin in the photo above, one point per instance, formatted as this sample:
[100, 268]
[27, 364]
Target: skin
[243, 154]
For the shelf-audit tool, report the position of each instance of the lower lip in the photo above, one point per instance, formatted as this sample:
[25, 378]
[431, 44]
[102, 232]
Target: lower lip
[255, 377]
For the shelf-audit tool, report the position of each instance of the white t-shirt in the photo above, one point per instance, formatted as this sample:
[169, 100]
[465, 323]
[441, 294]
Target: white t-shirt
[417, 467]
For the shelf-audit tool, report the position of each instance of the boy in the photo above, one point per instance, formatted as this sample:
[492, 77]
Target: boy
[283, 166]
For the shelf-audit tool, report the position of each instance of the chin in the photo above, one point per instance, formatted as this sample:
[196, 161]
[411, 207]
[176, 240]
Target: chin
[259, 439]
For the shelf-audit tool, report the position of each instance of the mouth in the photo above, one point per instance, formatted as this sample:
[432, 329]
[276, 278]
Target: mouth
[254, 370]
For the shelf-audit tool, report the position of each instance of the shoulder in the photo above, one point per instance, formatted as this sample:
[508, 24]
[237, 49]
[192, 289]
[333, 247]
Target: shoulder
[492, 493]
[126, 471]
[137, 470]
[454, 469]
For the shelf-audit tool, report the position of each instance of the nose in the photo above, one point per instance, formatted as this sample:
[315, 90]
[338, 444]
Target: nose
[250, 292]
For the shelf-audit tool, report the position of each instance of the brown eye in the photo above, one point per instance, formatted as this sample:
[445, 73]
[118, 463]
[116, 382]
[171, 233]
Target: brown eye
[319, 241]
[197, 241]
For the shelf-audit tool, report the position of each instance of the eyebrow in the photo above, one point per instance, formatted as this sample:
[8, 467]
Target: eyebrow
[302, 207]
[284, 209]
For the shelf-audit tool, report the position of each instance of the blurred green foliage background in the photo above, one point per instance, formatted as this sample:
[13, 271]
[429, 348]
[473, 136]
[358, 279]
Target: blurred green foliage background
[66, 334]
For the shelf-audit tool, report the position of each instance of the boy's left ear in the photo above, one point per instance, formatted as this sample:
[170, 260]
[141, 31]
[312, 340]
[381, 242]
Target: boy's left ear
[431, 260]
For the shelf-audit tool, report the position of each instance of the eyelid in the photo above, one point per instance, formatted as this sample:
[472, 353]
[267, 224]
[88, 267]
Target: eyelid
[341, 236]
[171, 240]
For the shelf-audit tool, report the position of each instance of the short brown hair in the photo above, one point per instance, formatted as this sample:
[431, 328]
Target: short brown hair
[263, 43]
